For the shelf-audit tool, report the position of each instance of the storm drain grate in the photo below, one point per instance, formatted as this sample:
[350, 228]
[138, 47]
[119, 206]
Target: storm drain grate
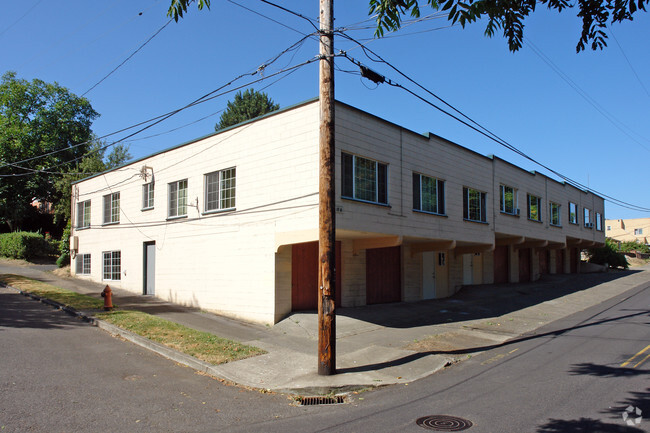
[444, 423]
[319, 400]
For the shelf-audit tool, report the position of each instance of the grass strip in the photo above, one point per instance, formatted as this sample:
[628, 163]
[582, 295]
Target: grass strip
[202, 345]
[53, 293]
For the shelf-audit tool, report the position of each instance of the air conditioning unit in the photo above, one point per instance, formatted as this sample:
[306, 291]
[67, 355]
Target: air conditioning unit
[589, 225]
[74, 243]
[517, 211]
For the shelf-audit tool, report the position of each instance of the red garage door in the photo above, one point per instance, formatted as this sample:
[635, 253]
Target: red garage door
[383, 275]
[304, 276]
[524, 265]
[501, 268]
[543, 261]
[559, 261]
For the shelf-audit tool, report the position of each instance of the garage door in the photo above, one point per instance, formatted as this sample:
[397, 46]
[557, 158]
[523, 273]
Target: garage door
[304, 276]
[501, 269]
[524, 265]
[383, 275]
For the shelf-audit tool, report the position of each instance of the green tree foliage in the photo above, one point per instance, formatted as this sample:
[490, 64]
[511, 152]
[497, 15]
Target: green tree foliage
[94, 162]
[246, 106]
[608, 255]
[37, 118]
[509, 16]
[634, 246]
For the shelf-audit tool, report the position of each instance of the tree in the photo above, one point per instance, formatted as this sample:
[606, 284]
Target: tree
[246, 106]
[509, 16]
[43, 127]
[94, 162]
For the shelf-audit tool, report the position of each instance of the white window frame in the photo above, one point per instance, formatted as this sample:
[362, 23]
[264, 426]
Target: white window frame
[574, 213]
[552, 214]
[82, 263]
[220, 190]
[503, 201]
[148, 196]
[356, 173]
[111, 208]
[529, 199]
[83, 214]
[419, 193]
[586, 213]
[177, 202]
[111, 265]
[638, 232]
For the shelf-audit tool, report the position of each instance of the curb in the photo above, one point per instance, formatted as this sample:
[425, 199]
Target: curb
[160, 349]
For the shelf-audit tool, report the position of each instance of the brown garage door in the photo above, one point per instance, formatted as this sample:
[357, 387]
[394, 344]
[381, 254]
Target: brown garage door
[524, 265]
[574, 260]
[559, 261]
[383, 275]
[304, 276]
[543, 261]
[501, 269]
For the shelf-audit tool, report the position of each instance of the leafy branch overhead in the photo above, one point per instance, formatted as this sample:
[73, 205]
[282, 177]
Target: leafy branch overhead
[508, 16]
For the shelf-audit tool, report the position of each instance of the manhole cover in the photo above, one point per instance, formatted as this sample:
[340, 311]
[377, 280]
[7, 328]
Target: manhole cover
[444, 423]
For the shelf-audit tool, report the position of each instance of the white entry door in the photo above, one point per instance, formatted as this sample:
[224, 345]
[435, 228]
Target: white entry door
[428, 275]
[468, 268]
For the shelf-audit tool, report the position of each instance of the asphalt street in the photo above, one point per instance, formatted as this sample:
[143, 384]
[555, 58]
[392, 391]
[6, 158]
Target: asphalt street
[570, 376]
[59, 374]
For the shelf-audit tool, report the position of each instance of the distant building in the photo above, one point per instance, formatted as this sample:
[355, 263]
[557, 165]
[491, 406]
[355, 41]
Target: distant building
[229, 222]
[628, 230]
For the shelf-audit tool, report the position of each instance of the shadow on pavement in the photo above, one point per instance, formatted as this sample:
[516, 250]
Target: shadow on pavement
[590, 369]
[586, 425]
[17, 311]
[477, 302]
[415, 356]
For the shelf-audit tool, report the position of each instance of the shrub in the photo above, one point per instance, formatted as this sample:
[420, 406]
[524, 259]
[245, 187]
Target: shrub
[608, 255]
[634, 246]
[23, 245]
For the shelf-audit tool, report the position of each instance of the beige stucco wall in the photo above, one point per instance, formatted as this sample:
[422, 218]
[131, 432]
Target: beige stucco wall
[623, 229]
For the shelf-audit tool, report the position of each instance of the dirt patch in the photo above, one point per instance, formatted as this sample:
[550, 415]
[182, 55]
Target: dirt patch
[450, 342]
[62, 272]
[634, 262]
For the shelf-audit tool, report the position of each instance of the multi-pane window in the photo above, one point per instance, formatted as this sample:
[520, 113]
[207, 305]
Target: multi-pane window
[573, 213]
[587, 215]
[554, 211]
[82, 262]
[147, 196]
[534, 207]
[474, 208]
[508, 199]
[599, 222]
[112, 265]
[83, 214]
[220, 190]
[112, 208]
[364, 179]
[178, 198]
[638, 232]
[428, 194]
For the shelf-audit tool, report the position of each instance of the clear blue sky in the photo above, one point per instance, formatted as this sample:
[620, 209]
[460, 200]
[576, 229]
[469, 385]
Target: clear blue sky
[519, 97]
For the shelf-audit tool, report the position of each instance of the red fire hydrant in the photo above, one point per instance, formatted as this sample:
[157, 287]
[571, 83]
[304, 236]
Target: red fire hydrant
[107, 294]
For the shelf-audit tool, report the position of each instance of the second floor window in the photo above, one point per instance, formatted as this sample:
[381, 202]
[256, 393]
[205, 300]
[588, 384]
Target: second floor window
[112, 208]
[147, 196]
[474, 208]
[599, 222]
[554, 211]
[428, 194]
[83, 214]
[573, 213]
[364, 179]
[177, 199]
[587, 214]
[534, 208]
[508, 199]
[220, 190]
[638, 232]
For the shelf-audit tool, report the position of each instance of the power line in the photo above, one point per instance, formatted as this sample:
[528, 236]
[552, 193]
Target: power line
[164, 116]
[482, 130]
[309, 20]
[265, 16]
[21, 18]
[628, 61]
[128, 58]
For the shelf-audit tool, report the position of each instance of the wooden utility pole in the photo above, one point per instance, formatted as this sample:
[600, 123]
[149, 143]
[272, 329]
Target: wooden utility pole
[326, 209]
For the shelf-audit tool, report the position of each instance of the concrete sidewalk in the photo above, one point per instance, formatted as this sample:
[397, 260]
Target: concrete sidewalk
[379, 344]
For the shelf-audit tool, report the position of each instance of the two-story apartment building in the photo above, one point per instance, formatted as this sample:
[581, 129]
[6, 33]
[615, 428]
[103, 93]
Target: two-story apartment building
[229, 222]
[628, 230]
